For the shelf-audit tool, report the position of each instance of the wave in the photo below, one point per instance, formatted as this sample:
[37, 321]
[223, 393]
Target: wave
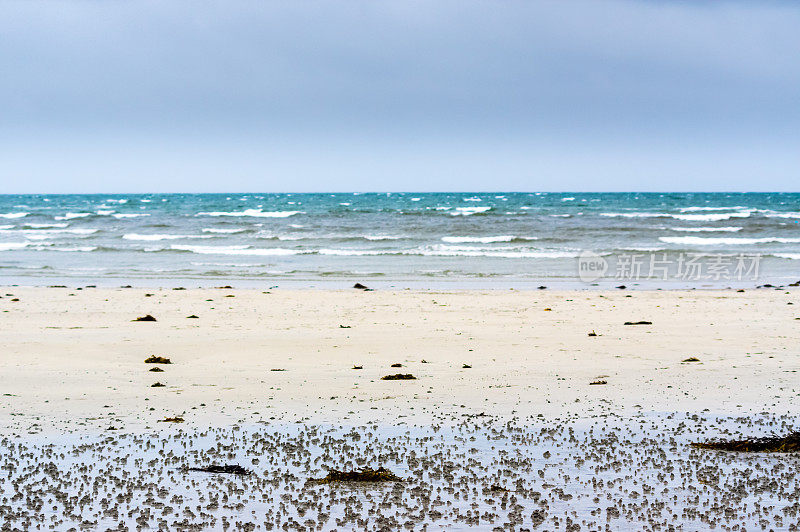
[382, 237]
[635, 214]
[469, 211]
[13, 215]
[44, 226]
[792, 256]
[483, 239]
[711, 217]
[235, 250]
[699, 241]
[783, 215]
[687, 217]
[135, 236]
[8, 246]
[130, 215]
[256, 213]
[693, 209]
[224, 231]
[5, 227]
[441, 252]
[72, 215]
[706, 229]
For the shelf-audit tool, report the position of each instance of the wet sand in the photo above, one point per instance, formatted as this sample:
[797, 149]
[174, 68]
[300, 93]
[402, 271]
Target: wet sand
[74, 372]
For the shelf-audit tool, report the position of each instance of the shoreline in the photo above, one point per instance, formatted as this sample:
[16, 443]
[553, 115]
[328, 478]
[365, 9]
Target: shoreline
[380, 282]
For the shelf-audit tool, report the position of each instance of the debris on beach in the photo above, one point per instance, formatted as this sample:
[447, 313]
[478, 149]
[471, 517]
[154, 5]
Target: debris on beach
[227, 469]
[344, 327]
[466, 366]
[598, 382]
[153, 359]
[362, 475]
[769, 444]
[156, 369]
[358, 367]
[592, 333]
[148, 317]
[278, 369]
[359, 286]
[691, 359]
[397, 365]
[622, 287]
[175, 419]
[638, 323]
[399, 377]
[192, 317]
[548, 309]
[157, 385]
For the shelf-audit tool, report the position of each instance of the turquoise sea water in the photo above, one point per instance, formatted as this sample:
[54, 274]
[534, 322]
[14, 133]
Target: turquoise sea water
[474, 239]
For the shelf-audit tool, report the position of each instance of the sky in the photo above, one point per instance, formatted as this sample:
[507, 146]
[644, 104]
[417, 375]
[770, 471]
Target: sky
[399, 95]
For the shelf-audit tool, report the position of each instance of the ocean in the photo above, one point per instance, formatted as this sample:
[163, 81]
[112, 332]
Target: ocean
[492, 240]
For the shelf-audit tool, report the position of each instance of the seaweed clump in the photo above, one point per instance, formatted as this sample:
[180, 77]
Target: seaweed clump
[399, 377]
[228, 469]
[362, 475]
[691, 359]
[769, 444]
[171, 420]
[145, 318]
[153, 359]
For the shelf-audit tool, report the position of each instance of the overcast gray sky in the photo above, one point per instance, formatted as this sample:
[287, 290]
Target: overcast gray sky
[203, 96]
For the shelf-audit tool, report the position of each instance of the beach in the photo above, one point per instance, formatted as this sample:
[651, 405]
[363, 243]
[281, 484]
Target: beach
[267, 380]
[529, 350]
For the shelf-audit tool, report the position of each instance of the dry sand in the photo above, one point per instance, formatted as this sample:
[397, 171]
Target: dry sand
[74, 360]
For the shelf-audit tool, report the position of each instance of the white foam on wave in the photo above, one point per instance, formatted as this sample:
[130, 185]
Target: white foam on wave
[635, 214]
[447, 252]
[223, 231]
[72, 215]
[235, 250]
[13, 215]
[694, 209]
[135, 236]
[700, 241]
[44, 226]
[121, 215]
[82, 249]
[711, 217]
[256, 213]
[792, 256]
[4, 227]
[382, 237]
[783, 215]
[478, 239]
[468, 211]
[706, 229]
[8, 246]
